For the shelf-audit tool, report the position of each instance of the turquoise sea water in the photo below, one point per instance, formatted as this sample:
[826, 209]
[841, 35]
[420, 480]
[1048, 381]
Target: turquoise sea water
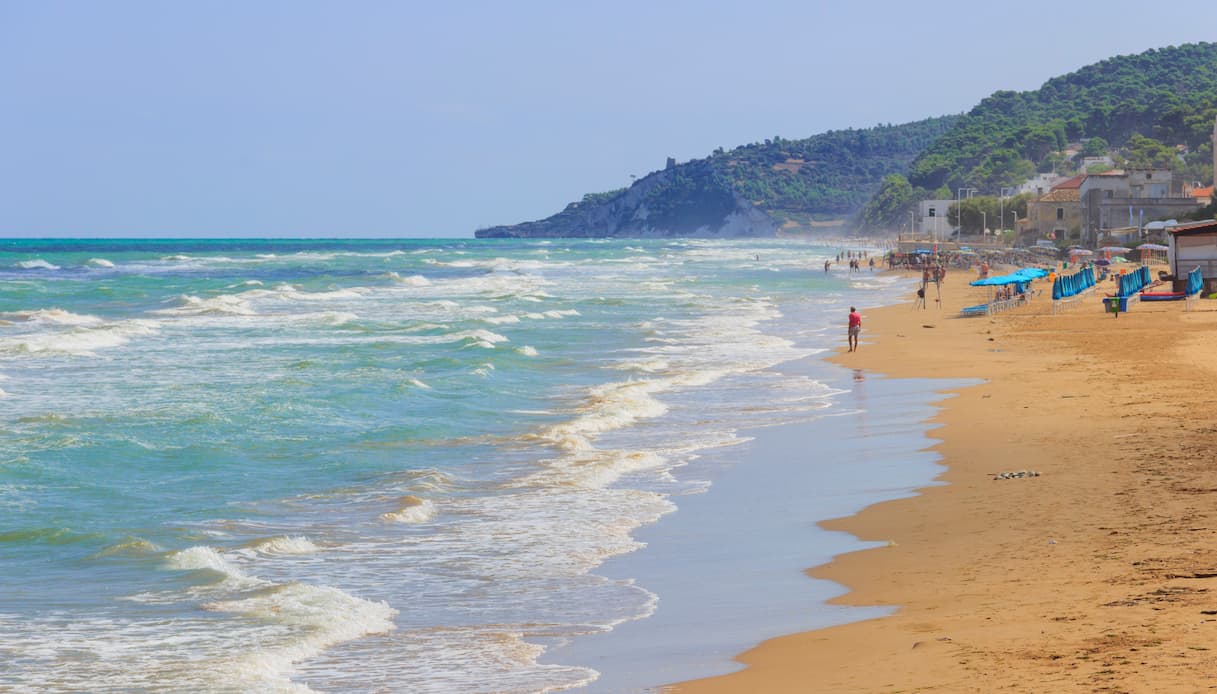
[371, 465]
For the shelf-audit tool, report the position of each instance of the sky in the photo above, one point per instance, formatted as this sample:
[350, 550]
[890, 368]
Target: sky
[297, 118]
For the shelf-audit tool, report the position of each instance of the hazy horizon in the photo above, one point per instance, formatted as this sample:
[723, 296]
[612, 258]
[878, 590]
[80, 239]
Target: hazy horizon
[314, 120]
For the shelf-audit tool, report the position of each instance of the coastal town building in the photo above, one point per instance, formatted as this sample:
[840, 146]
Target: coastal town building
[1057, 214]
[932, 221]
[1203, 195]
[1042, 183]
[1088, 207]
[1089, 163]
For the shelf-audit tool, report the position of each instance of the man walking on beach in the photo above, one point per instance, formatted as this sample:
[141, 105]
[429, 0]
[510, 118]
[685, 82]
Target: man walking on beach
[855, 328]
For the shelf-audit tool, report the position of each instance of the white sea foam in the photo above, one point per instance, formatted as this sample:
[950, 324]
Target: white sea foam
[79, 340]
[331, 318]
[480, 338]
[99, 262]
[527, 350]
[222, 305]
[411, 281]
[202, 557]
[418, 384]
[653, 365]
[286, 545]
[36, 264]
[315, 617]
[608, 407]
[413, 510]
[54, 315]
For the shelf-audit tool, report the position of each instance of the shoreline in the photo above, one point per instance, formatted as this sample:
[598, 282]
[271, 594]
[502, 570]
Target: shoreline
[757, 559]
[1092, 574]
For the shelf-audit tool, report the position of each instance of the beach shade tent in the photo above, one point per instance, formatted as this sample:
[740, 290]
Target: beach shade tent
[1148, 250]
[1080, 252]
[1114, 249]
[1021, 277]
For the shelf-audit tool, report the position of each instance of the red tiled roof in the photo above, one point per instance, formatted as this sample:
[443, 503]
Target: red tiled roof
[1059, 194]
[1075, 182]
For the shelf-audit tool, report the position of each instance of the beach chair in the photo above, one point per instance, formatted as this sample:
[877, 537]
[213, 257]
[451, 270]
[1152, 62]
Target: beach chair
[973, 311]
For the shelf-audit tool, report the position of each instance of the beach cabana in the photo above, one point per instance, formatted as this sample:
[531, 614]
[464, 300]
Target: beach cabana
[1148, 251]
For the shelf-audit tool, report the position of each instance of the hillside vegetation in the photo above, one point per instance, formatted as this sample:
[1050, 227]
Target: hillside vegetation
[1138, 108]
[828, 175]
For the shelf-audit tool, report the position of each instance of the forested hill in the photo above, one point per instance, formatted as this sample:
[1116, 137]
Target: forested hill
[1139, 109]
[747, 191]
[1167, 95]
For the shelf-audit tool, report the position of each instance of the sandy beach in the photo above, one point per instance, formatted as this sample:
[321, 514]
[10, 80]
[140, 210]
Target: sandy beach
[1095, 574]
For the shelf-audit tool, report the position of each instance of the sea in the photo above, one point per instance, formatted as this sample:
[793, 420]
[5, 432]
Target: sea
[429, 465]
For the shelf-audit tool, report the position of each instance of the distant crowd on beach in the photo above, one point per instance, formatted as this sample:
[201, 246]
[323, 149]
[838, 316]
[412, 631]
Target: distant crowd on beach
[855, 259]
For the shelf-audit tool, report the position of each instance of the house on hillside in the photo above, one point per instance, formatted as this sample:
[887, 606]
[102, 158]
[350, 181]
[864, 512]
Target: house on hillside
[1057, 214]
[1203, 195]
[1041, 184]
[1088, 207]
[1193, 245]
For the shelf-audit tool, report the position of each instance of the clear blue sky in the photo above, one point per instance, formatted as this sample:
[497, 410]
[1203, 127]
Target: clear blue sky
[300, 118]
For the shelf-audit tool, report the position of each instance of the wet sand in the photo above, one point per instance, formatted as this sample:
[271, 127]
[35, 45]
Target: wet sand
[1100, 573]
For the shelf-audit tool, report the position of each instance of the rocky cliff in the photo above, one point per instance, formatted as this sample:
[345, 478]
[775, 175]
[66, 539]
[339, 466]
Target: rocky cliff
[688, 199]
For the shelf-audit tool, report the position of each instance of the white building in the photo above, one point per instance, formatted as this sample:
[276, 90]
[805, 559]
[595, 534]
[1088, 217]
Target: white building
[1041, 184]
[932, 219]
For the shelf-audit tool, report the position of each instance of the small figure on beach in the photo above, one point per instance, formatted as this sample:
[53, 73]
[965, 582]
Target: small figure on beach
[855, 328]
[872, 264]
[827, 264]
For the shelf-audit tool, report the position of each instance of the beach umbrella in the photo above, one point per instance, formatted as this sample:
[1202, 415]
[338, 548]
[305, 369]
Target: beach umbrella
[1153, 247]
[1080, 252]
[1115, 249]
[1119, 260]
[1102, 261]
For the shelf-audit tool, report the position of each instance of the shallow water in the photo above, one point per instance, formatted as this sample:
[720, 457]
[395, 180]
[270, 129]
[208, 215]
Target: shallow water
[380, 465]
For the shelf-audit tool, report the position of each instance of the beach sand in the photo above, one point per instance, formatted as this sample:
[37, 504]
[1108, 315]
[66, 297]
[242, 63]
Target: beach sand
[1100, 574]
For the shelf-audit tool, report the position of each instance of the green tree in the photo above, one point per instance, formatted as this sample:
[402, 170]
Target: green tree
[1094, 147]
[893, 201]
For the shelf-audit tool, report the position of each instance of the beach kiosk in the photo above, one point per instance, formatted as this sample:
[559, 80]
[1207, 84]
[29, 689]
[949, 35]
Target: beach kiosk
[1194, 245]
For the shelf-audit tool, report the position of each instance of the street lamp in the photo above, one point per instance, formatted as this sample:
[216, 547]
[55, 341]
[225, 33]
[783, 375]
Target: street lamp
[1001, 193]
[984, 222]
[959, 205]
